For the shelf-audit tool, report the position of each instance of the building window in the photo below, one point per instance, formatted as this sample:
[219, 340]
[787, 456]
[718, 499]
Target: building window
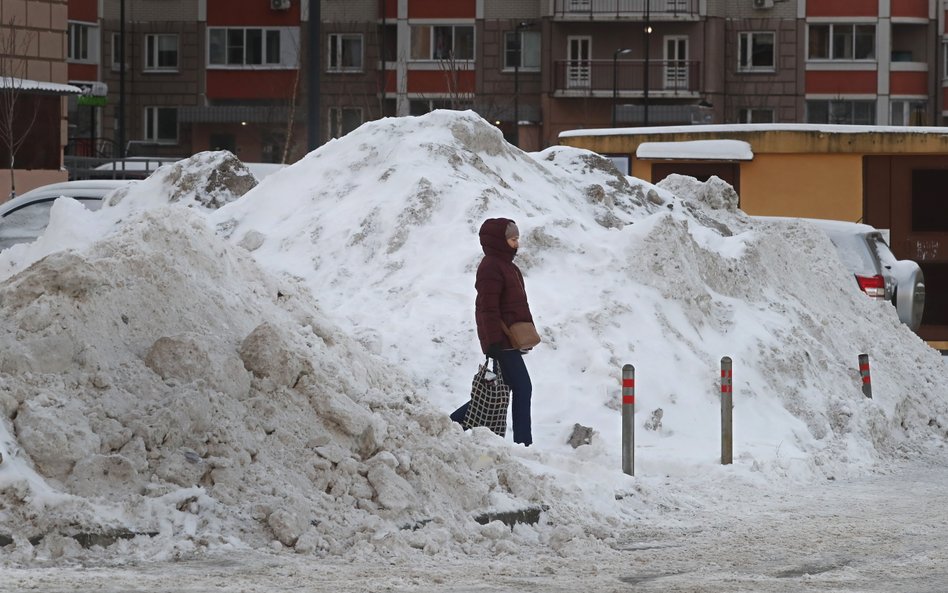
[442, 42]
[161, 52]
[526, 54]
[83, 43]
[253, 47]
[345, 53]
[423, 106]
[343, 120]
[755, 115]
[841, 111]
[945, 60]
[835, 41]
[161, 125]
[756, 52]
[116, 46]
[908, 112]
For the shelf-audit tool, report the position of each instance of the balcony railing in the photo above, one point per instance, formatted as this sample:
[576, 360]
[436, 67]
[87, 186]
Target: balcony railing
[627, 77]
[602, 9]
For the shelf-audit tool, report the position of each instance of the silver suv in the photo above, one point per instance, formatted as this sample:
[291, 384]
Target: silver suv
[24, 218]
[864, 251]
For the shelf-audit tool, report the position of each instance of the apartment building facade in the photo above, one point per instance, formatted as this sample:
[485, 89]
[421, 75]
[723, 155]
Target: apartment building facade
[32, 90]
[204, 74]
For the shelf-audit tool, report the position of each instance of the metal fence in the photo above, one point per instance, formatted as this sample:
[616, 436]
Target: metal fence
[626, 8]
[666, 76]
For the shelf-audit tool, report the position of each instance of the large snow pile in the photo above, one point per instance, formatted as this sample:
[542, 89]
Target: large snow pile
[278, 372]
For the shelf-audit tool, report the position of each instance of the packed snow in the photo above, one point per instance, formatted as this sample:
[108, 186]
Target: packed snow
[187, 374]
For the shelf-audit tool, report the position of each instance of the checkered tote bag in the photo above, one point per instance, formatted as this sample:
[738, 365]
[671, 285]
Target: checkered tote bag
[490, 397]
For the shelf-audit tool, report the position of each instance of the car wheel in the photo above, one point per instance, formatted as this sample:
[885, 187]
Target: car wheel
[909, 296]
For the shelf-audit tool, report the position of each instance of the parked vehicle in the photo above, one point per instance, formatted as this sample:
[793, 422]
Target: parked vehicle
[878, 273]
[142, 167]
[25, 217]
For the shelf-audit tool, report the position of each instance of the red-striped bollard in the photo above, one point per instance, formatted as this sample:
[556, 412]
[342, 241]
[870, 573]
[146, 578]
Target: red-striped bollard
[628, 417]
[864, 374]
[727, 408]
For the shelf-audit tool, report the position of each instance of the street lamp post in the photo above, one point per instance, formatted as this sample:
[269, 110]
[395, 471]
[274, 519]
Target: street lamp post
[648, 34]
[121, 105]
[518, 43]
[615, 80]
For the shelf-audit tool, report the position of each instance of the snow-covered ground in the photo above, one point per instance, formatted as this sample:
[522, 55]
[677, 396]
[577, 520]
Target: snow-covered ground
[194, 379]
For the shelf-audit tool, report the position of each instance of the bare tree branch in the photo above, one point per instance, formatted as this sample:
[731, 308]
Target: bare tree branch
[13, 49]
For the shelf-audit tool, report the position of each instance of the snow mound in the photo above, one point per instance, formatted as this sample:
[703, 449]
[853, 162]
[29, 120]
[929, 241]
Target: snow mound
[278, 372]
[382, 226]
[207, 179]
[160, 386]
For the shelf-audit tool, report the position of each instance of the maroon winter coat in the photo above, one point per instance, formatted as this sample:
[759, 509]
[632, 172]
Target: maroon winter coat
[501, 295]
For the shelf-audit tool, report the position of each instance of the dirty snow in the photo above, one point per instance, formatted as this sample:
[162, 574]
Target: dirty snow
[274, 371]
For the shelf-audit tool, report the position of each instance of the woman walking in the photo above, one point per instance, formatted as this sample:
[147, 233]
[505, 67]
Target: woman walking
[501, 302]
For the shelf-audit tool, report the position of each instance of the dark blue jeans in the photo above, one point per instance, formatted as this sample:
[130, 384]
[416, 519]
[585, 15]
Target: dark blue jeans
[518, 379]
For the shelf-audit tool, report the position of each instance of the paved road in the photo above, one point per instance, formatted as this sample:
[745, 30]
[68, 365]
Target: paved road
[881, 533]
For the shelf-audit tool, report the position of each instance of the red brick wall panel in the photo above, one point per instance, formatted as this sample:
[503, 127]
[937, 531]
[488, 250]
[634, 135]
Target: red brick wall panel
[839, 83]
[439, 81]
[909, 83]
[250, 84]
[83, 10]
[83, 72]
[911, 8]
[842, 8]
[441, 9]
[221, 13]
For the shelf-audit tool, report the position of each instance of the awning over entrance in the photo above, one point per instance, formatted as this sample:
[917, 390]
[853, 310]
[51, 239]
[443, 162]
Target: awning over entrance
[223, 114]
[697, 150]
[38, 87]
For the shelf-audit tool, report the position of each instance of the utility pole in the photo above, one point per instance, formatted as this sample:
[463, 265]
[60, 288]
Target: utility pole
[312, 112]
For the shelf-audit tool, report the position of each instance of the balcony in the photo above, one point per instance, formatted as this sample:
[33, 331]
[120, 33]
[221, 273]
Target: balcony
[610, 10]
[596, 78]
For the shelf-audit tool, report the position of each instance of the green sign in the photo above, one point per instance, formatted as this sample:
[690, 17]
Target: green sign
[92, 100]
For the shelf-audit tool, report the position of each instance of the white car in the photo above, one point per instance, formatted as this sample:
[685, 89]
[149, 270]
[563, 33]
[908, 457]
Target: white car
[25, 217]
[864, 251]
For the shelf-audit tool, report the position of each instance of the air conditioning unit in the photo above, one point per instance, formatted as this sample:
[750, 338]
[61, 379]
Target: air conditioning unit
[763, 4]
[285, 4]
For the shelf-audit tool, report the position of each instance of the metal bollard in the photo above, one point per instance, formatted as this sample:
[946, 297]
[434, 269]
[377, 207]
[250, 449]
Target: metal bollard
[628, 417]
[864, 374]
[727, 408]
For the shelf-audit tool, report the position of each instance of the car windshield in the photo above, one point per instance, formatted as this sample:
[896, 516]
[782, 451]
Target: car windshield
[24, 224]
[29, 220]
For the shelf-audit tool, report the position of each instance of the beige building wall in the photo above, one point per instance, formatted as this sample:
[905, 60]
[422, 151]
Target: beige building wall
[803, 185]
[796, 170]
[38, 29]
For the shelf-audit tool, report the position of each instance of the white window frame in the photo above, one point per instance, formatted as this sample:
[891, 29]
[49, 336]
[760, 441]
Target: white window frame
[532, 51]
[832, 28]
[116, 64]
[745, 53]
[871, 103]
[82, 39]
[944, 56]
[151, 124]
[152, 47]
[676, 72]
[338, 51]
[905, 105]
[429, 30]
[578, 61]
[287, 59]
[337, 118]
